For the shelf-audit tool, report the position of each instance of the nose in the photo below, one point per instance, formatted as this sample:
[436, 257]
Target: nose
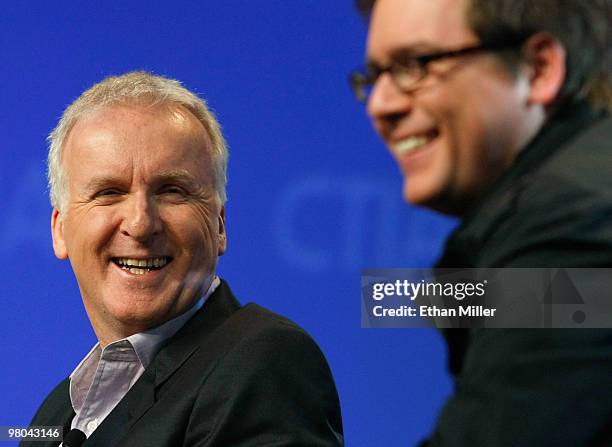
[387, 101]
[141, 219]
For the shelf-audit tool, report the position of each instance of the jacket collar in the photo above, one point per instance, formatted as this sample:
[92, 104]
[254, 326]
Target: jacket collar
[178, 349]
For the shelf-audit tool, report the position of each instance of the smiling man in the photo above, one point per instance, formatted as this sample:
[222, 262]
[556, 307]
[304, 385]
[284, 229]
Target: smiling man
[137, 174]
[497, 112]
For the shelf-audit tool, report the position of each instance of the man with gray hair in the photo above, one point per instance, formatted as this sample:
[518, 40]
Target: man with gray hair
[498, 112]
[137, 175]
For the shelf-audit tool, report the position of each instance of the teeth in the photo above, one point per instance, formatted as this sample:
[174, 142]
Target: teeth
[410, 144]
[141, 266]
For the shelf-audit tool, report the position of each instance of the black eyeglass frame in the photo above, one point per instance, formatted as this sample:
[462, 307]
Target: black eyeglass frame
[363, 79]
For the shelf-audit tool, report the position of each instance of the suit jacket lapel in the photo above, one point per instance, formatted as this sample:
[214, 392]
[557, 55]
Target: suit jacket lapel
[218, 308]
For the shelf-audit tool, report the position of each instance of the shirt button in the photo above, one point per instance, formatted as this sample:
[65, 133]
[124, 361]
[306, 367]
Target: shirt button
[92, 425]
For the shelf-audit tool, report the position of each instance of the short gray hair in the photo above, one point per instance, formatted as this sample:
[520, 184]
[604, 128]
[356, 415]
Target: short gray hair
[135, 87]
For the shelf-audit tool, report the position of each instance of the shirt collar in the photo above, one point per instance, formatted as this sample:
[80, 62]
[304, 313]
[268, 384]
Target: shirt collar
[146, 344]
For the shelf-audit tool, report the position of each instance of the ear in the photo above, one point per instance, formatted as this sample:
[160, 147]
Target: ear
[57, 233]
[545, 59]
[222, 246]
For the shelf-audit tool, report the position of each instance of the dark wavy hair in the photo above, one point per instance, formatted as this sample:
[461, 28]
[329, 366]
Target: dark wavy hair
[583, 27]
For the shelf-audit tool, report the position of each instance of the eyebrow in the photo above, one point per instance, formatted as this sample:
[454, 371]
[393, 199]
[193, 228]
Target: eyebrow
[414, 50]
[175, 175]
[100, 182]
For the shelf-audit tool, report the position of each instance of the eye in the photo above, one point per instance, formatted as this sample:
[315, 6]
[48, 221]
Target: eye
[172, 189]
[108, 192]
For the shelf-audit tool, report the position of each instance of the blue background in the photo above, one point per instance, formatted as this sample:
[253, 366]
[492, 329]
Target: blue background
[313, 195]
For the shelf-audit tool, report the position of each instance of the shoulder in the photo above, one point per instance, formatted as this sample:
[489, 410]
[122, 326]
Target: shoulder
[559, 214]
[247, 339]
[579, 170]
[258, 320]
[223, 331]
[271, 384]
[575, 176]
[257, 332]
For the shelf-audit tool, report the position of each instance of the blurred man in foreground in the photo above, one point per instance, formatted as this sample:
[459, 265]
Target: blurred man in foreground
[137, 174]
[496, 111]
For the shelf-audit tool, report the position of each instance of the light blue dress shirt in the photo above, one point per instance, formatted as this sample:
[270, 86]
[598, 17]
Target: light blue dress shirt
[105, 376]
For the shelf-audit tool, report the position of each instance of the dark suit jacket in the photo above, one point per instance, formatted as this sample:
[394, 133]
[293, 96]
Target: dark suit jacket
[539, 387]
[232, 376]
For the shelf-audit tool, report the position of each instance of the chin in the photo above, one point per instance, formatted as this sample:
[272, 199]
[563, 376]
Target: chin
[433, 190]
[136, 313]
[416, 194]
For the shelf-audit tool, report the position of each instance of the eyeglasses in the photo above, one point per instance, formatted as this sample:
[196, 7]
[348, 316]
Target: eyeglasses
[408, 72]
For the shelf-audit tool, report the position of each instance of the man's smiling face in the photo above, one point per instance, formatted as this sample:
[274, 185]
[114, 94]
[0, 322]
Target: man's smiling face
[142, 224]
[455, 134]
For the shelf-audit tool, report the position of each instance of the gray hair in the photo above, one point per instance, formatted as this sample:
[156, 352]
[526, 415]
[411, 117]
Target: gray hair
[135, 87]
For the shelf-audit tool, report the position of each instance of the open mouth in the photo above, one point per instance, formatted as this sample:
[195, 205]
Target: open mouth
[142, 266]
[413, 143]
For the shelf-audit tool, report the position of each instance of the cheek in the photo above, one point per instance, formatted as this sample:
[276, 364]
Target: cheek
[477, 154]
[88, 231]
[197, 232]
[481, 123]
[463, 124]
[458, 109]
